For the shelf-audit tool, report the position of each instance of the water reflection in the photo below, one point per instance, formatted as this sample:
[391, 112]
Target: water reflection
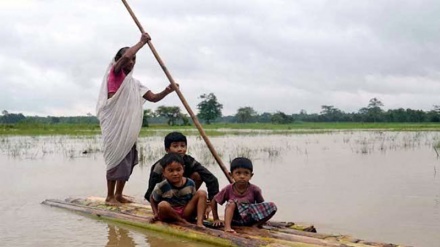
[127, 236]
[118, 236]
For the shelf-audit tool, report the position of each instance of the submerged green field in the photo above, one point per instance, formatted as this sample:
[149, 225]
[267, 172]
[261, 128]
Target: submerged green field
[216, 129]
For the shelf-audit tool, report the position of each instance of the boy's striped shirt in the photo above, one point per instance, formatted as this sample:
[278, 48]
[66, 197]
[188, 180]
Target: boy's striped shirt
[177, 197]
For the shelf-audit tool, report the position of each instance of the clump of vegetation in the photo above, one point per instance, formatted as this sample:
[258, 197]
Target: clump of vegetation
[436, 147]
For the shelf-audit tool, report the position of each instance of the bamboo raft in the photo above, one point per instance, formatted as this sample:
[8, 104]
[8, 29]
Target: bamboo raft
[273, 234]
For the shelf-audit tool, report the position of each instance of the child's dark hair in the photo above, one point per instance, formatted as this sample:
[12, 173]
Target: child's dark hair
[241, 162]
[174, 137]
[170, 158]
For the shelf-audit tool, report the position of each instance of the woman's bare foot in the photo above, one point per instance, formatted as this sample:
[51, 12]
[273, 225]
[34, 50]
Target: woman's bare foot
[122, 199]
[111, 201]
[128, 197]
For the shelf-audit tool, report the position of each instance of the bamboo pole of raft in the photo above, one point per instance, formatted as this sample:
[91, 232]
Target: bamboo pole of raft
[181, 97]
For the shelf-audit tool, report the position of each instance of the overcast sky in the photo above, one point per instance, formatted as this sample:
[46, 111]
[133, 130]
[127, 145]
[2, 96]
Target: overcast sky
[272, 55]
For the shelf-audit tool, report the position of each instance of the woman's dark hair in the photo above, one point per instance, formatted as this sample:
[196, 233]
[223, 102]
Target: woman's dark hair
[120, 53]
[170, 158]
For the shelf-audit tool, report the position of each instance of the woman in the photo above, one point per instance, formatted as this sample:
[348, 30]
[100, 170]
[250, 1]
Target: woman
[120, 113]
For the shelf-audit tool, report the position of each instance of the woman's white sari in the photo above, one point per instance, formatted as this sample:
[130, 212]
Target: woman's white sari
[120, 117]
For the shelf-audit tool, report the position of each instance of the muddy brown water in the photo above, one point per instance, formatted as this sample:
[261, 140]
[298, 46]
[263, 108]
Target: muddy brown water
[378, 186]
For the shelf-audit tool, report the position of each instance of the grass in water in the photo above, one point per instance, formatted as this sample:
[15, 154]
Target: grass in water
[436, 147]
[217, 129]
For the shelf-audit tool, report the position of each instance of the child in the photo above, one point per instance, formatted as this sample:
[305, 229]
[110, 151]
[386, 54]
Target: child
[245, 204]
[175, 142]
[175, 198]
[119, 110]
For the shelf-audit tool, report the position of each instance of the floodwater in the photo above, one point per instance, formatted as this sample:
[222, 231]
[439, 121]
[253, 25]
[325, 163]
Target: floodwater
[377, 186]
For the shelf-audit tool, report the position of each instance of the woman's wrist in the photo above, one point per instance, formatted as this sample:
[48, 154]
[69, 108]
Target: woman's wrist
[167, 91]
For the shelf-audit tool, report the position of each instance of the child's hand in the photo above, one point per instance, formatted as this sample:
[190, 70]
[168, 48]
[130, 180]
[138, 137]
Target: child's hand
[154, 219]
[217, 223]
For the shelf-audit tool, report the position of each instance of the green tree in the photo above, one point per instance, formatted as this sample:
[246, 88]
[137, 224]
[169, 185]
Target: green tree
[281, 118]
[54, 120]
[209, 108]
[373, 112]
[265, 117]
[302, 116]
[396, 115]
[148, 113]
[415, 116]
[12, 118]
[245, 114]
[434, 115]
[172, 113]
[375, 109]
[375, 104]
[185, 120]
[330, 113]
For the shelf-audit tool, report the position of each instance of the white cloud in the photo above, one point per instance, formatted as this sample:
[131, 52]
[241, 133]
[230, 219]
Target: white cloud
[271, 55]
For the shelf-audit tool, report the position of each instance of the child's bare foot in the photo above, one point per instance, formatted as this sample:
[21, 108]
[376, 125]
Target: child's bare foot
[183, 222]
[154, 219]
[200, 225]
[230, 230]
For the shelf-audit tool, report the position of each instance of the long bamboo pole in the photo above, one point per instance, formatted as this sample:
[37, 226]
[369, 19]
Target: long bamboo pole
[181, 97]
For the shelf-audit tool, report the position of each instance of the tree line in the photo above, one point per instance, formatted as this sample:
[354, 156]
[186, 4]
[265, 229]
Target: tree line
[210, 111]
